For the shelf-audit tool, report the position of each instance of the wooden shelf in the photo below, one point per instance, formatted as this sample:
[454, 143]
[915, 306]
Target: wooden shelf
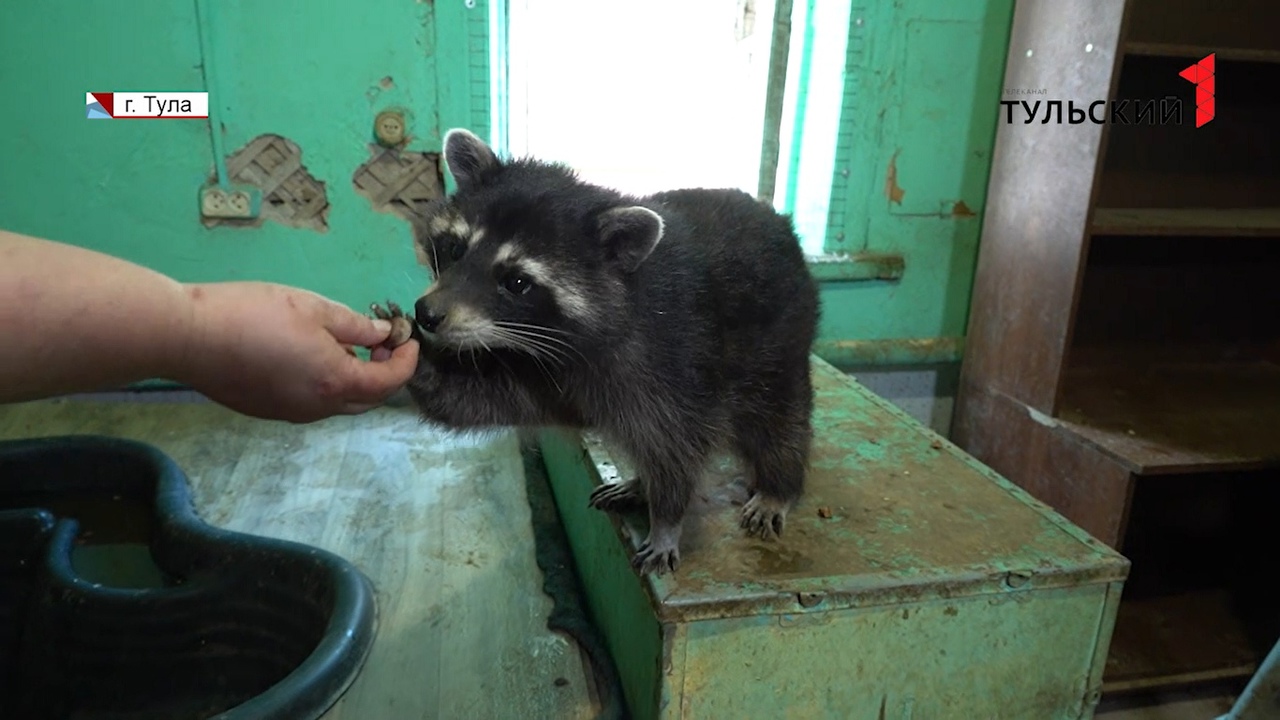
[1079, 383]
[1195, 52]
[1232, 222]
[1196, 607]
[1175, 413]
[1177, 639]
[1195, 28]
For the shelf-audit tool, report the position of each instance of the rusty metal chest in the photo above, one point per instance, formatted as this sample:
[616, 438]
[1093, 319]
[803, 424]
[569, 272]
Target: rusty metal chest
[910, 582]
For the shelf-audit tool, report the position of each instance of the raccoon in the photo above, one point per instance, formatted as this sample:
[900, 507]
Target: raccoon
[673, 325]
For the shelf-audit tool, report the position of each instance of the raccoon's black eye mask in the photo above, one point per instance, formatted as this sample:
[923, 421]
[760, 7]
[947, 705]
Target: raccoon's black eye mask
[516, 283]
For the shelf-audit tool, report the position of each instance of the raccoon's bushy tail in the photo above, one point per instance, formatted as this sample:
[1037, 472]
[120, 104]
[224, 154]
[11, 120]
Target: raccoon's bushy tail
[560, 582]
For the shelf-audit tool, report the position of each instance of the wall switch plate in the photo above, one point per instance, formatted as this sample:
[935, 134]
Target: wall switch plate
[230, 202]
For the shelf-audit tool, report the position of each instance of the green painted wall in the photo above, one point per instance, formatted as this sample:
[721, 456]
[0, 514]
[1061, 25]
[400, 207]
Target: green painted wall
[309, 71]
[922, 88]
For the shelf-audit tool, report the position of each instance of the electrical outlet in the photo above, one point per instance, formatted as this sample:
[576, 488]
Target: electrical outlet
[217, 202]
[238, 204]
[213, 203]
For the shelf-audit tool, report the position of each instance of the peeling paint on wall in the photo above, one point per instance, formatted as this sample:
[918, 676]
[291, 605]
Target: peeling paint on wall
[291, 196]
[891, 188]
[376, 89]
[399, 182]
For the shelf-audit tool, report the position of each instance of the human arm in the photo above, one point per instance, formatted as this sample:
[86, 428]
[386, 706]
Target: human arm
[74, 320]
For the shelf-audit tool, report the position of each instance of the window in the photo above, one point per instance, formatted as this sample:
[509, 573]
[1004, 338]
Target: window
[651, 96]
[811, 118]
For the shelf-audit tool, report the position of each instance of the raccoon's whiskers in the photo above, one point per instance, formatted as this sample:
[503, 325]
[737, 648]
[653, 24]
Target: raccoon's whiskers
[511, 324]
[535, 349]
[532, 332]
[533, 346]
[530, 345]
[537, 359]
[547, 372]
[488, 350]
[512, 372]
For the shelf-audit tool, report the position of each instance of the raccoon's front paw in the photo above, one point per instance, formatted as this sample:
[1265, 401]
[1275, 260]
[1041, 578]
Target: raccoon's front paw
[656, 557]
[764, 517]
[401, 325]
[617, 497]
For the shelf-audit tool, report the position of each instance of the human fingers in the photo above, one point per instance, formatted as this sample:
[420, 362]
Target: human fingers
[406, 356]
[376, 381]
[350, 327]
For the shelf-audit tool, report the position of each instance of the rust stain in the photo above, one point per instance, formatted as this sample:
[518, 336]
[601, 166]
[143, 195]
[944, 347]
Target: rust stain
[386, 83]
[907, 475]
[891, 188]
[913, 522]
[889, 350]
[962, 210]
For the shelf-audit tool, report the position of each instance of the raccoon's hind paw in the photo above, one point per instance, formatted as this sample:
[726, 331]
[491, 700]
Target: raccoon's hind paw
[659, 558]
[764, 517]
[617, 497]
[401, 325]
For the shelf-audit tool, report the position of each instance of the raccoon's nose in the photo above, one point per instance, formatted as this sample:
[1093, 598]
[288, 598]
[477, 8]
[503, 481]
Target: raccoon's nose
[426, 317]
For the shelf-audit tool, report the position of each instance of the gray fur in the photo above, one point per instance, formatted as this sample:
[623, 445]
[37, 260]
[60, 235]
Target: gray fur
[672, 324]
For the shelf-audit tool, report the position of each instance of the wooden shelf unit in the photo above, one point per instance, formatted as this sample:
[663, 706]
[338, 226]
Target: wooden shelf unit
[1150, 650]
[1195, 52]
[1237, 30]
[1137, 413]
[1124, 334]
[1210, 222]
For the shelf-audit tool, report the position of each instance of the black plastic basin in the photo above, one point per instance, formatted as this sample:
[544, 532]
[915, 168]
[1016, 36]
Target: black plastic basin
[208, 623]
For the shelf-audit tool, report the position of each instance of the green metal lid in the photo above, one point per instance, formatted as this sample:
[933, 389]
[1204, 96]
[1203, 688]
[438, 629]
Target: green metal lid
[892, 513]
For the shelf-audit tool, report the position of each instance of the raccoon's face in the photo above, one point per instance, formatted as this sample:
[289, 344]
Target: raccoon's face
[524, 256]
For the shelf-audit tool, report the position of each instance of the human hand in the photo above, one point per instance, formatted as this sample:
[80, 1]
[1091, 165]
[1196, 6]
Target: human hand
[281, 353]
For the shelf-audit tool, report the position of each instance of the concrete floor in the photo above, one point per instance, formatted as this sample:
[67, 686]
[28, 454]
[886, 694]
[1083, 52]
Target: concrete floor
[474, 546]
[440, 524]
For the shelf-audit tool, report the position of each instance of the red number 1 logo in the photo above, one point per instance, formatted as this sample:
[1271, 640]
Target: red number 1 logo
[1201, 75]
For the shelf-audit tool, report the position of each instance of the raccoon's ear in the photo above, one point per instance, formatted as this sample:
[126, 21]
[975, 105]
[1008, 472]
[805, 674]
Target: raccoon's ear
[469, 159]
[630, 234]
